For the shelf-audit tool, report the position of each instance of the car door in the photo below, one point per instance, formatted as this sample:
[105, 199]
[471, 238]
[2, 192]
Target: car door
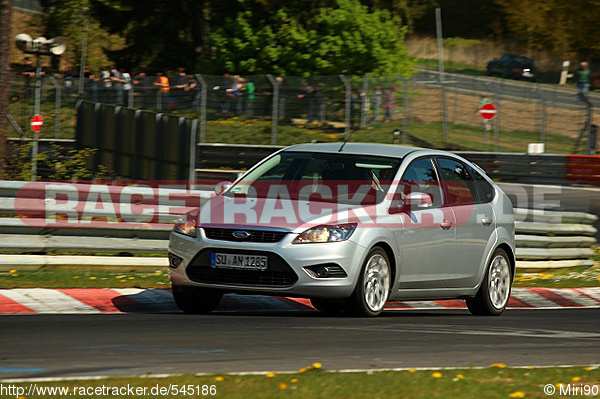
[427, 234]
[474, 219]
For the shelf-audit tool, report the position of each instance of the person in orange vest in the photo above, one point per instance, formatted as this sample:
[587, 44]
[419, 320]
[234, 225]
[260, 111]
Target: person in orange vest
[162, 82]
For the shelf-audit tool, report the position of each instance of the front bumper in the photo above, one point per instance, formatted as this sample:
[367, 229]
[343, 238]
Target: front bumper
[286, 273]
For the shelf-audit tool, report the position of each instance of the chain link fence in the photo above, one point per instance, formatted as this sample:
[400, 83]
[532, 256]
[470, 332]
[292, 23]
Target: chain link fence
[423, 109]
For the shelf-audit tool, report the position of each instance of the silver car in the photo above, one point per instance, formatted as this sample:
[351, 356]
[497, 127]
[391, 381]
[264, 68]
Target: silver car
[351, 227]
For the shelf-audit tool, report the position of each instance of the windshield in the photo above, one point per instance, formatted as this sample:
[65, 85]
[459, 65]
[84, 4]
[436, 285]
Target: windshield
[327, 177]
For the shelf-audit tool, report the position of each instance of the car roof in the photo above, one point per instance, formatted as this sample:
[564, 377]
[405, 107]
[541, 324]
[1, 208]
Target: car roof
[387, 150]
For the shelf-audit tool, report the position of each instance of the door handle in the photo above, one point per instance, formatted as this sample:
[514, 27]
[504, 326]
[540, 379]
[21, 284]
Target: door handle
[486, 221]
[445, 225]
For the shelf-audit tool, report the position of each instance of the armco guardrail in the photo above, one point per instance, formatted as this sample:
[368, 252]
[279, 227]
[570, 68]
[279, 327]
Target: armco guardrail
[507, 167]
[119, 224]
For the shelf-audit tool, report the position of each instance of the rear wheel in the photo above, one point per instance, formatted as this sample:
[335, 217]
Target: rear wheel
[373, 287]
[493, 295]
[196, 300]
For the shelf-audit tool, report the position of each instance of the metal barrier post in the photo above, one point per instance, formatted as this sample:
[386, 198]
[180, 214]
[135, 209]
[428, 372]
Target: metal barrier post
[203, 94]
[364, 112]
[275, 115]
[404, 108]
[348, 108]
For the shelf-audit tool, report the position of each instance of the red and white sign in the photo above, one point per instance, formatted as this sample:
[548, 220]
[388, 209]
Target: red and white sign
[487, 111]
[37, 122]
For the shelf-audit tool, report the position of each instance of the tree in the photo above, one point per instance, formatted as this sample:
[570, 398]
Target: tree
[70, 19]
[568, 28]
[345, 39]
[5, 40]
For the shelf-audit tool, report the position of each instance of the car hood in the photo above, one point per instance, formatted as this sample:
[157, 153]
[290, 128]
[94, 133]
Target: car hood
[282, 214]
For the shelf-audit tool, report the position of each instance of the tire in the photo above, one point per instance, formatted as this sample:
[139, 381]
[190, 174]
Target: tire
[493, 295]
[329, 306]
[195, 300]
[373, 286]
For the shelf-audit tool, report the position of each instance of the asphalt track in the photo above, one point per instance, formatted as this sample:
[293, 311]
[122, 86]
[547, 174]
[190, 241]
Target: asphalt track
[44, 345]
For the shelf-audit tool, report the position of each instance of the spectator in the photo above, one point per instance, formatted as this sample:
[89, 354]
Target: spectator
[144, 85]
[162, 84]
[583, 79]
[486, 122]
[235, 93]
[194, 92]
[180, 89]
[250, 96]
[389, 103]
[376, 100]
[91, 81]
[105, 85]
[117, 84]
[127, 87]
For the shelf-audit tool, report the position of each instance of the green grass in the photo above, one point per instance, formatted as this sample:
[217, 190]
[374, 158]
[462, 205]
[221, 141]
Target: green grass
[57, 278]
[97, 278]
[497, 381]
[239, 130]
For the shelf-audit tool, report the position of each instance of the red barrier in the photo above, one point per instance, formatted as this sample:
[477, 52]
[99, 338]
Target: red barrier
[583, 169]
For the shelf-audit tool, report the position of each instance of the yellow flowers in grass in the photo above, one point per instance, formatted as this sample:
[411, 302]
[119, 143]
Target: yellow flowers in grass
[283, 386]
[270, 375]
[499, 365]
[517, 394]
[219, 379]
[576, 379]
[437, 374]
[317, 365]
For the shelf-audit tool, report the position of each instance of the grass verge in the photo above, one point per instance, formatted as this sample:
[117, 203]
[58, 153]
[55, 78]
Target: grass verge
[497, 381]
[95, 278]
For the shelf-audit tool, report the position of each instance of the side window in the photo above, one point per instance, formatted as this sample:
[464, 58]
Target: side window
[460, 186]
[486, 190]
[421, 176]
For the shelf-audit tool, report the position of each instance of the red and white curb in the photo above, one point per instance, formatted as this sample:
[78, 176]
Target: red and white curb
[134, 300]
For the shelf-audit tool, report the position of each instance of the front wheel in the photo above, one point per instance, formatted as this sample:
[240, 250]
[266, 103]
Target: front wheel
[196, 300]
[373, 287]
[493, 295]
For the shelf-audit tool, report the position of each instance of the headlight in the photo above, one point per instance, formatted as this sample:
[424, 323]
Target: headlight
[332, 233]
[186, 225]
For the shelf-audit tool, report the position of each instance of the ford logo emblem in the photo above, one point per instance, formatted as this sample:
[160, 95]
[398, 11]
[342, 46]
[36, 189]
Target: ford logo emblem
[241, 234]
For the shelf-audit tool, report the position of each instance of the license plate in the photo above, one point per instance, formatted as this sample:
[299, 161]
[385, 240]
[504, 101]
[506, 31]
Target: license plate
[238, 261]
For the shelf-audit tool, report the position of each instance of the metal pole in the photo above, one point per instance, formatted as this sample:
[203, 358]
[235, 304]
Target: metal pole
[364, 117]
[57, 107]
[203, 94]
[275, 115]
[36, 111]
[83, 54]
[438, 24]
[348, 105]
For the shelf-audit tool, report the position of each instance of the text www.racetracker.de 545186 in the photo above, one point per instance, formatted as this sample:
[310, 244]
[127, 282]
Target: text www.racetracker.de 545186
[33, 390]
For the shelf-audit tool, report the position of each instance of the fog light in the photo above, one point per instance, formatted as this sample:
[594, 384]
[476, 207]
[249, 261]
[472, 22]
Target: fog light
[323, 271]
[174, 261]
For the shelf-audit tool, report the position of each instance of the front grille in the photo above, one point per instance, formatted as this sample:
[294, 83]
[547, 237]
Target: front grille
[278, 273]
[267, 236]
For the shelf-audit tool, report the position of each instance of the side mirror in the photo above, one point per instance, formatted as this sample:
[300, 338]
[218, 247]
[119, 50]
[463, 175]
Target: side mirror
[418, 200]
[412, 201]
[221, 186]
